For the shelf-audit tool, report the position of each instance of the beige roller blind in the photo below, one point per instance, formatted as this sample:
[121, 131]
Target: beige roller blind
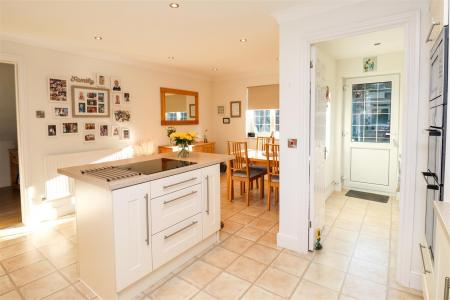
[263, 97]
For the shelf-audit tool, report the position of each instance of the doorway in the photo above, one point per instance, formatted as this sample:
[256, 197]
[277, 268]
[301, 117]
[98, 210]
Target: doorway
[10, 195]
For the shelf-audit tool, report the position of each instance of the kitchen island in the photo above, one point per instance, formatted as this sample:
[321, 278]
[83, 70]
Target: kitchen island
[139, 219]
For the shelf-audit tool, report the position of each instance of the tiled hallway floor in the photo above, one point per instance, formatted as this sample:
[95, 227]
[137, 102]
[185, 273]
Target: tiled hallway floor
[357, 262]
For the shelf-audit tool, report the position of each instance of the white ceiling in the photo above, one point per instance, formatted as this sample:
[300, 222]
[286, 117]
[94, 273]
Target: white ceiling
[392, 40]
[201, 35]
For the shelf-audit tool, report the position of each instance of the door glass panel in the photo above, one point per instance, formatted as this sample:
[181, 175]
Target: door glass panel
[371, 112]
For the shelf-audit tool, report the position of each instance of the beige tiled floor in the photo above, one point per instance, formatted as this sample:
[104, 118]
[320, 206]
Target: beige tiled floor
[357, 262]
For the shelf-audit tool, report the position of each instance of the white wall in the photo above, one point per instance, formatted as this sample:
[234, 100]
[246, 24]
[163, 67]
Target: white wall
[8, 128]
[36, 64]
[295, 38]
[225, 91]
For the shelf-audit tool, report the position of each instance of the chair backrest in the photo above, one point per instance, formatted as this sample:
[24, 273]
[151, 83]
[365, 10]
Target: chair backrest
[273, 159]
[262, 141]
[240, 152]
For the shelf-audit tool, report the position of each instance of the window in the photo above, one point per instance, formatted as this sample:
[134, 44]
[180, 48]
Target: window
[371, 112]
[174, 116]
[263, 122]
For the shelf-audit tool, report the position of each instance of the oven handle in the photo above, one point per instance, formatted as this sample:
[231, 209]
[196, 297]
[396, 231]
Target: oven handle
[434, 132]
[430, 186]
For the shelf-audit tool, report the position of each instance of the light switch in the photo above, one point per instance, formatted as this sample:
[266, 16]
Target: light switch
[292, 143]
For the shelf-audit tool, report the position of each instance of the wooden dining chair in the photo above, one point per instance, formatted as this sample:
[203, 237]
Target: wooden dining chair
[273, 171]
[262, 141]
[241, 170]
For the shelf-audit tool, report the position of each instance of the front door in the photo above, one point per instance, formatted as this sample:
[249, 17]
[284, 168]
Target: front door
[371, 133]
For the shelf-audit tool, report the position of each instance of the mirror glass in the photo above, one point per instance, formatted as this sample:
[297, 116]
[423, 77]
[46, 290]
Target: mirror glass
[178, 107]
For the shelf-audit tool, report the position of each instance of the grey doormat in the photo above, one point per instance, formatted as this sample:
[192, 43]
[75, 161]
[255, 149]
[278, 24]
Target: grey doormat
[367, 196]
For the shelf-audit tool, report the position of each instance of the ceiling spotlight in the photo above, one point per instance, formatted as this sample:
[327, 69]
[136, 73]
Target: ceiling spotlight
[243, 40]
[171, 57]
[98, 37]
[174, 5]
[377, 44]
[215, 69]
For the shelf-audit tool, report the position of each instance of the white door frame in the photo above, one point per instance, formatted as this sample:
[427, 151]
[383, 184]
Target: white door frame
[411, 23]
[21, 110]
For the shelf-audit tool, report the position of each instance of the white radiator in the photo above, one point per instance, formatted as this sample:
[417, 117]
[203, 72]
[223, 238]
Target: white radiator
[59, 186]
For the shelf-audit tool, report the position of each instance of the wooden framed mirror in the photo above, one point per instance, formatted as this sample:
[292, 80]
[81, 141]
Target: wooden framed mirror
[179, 107]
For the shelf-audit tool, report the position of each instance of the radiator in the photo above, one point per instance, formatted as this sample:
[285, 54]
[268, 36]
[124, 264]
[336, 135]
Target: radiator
[59, 186]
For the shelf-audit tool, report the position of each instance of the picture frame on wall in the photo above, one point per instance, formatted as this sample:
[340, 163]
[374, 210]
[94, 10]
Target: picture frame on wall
[58, 89]
[69, 128]
[89, 126]
[192, 111]
[115, 131]
[103, 130]
[126, 97]
[60, 112]
[117, 98]
[52, 130]
[226, 120]
[90, 102]
[89, 137]
[125, 134]
[220, 109]
[235, 109]
[101, 80]
[116, 84]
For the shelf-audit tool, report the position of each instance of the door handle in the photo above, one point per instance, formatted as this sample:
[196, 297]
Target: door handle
[147, 240]
[207, 194]
[425, 271]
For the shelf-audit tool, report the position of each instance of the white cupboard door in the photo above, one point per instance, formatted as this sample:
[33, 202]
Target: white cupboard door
[211, 200]
[131, 210]
[442, 262]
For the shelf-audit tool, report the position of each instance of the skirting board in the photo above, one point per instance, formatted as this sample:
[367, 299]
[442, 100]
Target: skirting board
[289, 242]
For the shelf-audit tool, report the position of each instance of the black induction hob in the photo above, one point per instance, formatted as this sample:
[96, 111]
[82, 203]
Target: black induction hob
[156, 165]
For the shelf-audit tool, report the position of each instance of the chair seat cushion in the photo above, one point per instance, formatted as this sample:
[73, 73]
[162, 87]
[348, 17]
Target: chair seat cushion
[262, 168]
[253, 173]
[275, 178]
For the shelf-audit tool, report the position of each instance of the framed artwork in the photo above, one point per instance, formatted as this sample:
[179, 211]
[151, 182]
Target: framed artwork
[235, 109]
[220, 109]
[370, 64]
[116, 84]
[126, 97]
[52, 130]
[69, 128]
[192, 111]
[40, 114]
[89, 126]
[122, 115]
[58, 89]
[115, 131]
[60, 111]
[125, 134]
[89, 137]
[90, 102]
[117, 98]
[226, 120]
[104, 130]
[101, 80]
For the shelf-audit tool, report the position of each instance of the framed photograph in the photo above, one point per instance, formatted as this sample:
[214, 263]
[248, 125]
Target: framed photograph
[69, 128]
[370, 64]
[235, 109]
[40, 114]
[117, 98]
[104, 130]
[52, 130]
[90, 102]
[122, 115]
[89, 126]
[226, 120]
[89, 137]
[116, 84]
[126, 97]
[220, 109]
[192, 111]
[115, 131]
[58, 89]
[125, 134]
[60, 111]
[101, 80]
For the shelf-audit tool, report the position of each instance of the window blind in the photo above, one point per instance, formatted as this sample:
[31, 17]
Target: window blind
[263, 96]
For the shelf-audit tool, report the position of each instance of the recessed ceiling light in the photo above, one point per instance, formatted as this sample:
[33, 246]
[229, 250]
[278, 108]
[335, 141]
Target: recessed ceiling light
[243, 40]
[98, 37]
[377, 44]
[171, 57]
[215, 69]
[174, 5]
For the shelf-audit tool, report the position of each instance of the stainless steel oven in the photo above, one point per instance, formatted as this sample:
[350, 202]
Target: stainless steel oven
[434, 176]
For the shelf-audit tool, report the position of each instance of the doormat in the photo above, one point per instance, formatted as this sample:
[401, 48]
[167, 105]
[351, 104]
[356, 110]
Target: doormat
[367, 196]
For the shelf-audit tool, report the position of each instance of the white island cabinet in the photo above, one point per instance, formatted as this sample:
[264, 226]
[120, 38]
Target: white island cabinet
[133, 233]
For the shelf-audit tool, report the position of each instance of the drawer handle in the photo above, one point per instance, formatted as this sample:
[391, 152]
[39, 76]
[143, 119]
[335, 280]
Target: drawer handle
[180, 230]
[181, 197]
[207, 194]
[147, 240]
[447, 288]
[425, 271]
[178, 183]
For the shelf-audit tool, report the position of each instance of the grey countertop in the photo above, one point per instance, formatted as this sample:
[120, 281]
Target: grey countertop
[201, 159]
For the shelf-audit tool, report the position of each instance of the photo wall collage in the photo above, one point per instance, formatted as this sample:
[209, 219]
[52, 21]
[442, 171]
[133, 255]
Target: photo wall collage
[95, 109]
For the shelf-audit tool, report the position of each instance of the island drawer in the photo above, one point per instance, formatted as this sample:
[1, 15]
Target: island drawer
[175, 207]
[174, 183]
[175, 240]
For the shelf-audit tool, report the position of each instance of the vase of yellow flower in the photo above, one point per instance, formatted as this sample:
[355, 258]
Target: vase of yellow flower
[183, 140]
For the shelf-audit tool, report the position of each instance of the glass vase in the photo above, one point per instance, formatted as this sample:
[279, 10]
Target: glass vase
[184, 151]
